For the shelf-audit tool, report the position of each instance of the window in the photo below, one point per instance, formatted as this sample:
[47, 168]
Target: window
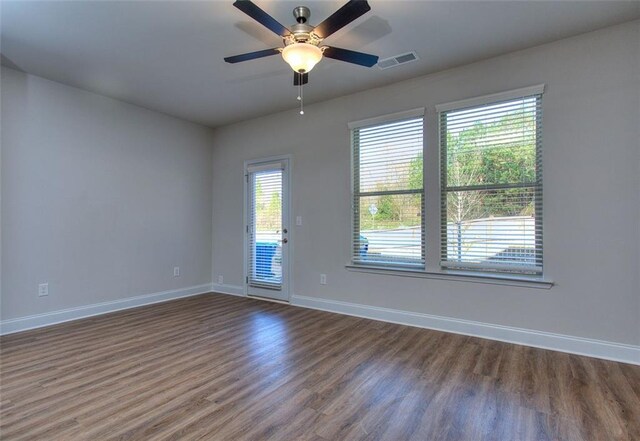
[388, 191]
[491, 172]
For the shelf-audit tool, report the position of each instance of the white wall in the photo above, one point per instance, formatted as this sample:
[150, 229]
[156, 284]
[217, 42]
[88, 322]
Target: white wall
[591, 190]
[100, 199]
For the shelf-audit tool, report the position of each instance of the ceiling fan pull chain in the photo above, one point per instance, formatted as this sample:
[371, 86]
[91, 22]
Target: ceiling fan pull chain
[301, 96]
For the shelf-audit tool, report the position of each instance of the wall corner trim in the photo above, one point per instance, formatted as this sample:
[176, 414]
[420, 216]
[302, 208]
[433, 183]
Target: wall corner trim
[65, 315]
[527, 337]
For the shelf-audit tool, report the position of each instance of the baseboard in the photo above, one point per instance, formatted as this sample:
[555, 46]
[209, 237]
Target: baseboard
[546, 340]
[234, 290]
[51, 318]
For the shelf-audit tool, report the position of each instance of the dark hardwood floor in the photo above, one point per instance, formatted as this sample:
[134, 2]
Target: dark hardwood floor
[216, 367]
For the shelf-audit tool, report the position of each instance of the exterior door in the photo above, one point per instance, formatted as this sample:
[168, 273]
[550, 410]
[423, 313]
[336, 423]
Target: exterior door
[267, 229]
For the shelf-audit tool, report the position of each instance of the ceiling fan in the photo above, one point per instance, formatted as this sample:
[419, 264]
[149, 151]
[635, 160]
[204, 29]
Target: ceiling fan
[303, 47]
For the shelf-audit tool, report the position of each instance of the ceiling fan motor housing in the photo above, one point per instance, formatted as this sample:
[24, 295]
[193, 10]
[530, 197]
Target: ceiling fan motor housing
[302, 14]
[302, 31]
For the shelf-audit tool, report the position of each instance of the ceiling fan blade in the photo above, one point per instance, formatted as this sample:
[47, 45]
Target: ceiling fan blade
[252, 55]
[253, 11]
[297, 76]
[342, 17]
[351, 56]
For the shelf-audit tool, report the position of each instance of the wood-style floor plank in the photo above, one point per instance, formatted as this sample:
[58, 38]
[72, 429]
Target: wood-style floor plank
[216, 367]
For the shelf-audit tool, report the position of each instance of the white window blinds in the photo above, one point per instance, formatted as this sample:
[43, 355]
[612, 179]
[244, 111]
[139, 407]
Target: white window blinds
[388, 192]
[491, 171]
[265, 226]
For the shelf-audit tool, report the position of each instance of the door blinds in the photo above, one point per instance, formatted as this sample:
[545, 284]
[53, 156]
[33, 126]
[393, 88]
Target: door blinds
[265, 226]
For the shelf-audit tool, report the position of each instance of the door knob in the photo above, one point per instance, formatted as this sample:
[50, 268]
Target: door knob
[284, 231]
[285, 240]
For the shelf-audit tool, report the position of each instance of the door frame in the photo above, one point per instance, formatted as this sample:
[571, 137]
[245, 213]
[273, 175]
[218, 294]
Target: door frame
[286, 220]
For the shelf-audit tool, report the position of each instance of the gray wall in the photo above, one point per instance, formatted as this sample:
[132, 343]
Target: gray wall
[591, 194]
[100, 199]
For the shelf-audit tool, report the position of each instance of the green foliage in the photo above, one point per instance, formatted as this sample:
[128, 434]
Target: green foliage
[386, 208]
[268, 214]
[474, 158]
[273, 213]
[501, 152]
[416, 167]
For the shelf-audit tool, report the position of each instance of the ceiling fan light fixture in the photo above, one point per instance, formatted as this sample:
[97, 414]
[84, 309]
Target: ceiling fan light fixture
[302, 56]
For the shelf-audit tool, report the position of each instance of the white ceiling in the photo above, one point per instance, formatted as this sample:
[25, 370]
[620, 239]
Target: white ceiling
[168, 56]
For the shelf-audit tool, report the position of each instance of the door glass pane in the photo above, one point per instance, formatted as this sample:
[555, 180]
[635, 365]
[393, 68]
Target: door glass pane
[266, 229]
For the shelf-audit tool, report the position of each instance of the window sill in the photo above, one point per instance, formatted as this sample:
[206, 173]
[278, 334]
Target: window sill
[459, 276]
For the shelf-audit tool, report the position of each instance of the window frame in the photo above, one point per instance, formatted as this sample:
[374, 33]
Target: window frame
[355, 193]
[535, 271]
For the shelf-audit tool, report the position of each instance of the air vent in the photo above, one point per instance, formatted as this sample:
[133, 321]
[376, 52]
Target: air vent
[397, 60]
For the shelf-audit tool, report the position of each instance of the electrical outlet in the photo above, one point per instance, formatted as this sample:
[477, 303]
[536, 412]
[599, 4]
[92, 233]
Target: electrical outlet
[176, 271]
[220, 280]
[298, 220]
[323, 279]
[43, 290]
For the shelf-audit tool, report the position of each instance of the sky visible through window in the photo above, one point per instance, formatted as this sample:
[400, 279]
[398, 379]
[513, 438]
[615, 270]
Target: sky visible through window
[386, 155]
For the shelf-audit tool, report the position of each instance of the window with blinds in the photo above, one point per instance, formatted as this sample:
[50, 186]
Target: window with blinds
[388, 191]
[491, 171]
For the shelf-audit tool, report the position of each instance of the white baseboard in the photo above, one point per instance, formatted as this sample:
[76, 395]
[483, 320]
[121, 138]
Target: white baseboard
[234, 290]
[546, 340]
[51, 318]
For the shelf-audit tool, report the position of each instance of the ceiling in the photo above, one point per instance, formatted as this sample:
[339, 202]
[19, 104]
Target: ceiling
[168, 56]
